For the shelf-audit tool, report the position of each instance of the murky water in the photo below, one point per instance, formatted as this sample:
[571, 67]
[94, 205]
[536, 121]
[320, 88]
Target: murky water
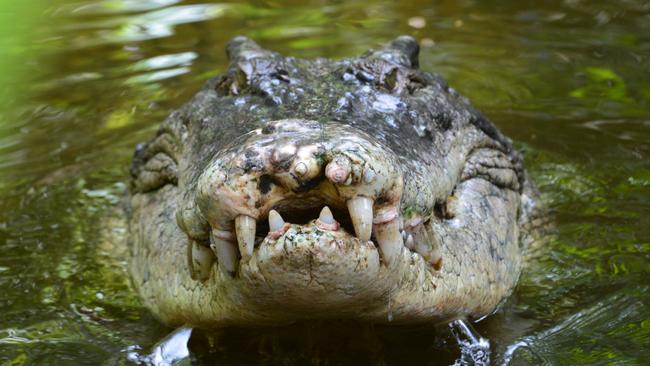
[83, 82]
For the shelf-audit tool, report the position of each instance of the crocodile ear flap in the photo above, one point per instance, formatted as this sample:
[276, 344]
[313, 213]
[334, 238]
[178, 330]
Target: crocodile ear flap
[403, 51]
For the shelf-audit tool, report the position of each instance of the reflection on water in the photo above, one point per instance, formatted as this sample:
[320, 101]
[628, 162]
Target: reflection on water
[83, 82]
[610, 323]
[170, 351]
[144, 26]
[113, 7]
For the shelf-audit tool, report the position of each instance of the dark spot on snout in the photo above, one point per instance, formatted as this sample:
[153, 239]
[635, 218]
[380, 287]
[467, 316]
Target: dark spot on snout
[439, 210]
[252, 161]
[437, 265]
[264, 183]
[309, 185]
[380, 201]
[444, 120]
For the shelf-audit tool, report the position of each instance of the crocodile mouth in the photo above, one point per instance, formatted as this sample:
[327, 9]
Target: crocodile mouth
[295, 174]
[294, 237]
[325, 217]
[355, 223]
[309, 262]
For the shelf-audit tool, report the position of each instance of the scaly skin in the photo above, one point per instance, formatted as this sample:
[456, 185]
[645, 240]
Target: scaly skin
[392, 150]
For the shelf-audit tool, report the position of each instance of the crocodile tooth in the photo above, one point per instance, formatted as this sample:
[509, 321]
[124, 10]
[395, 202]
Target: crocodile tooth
[390, 240]
[410, 243]
[429, 248]
[326, 216]
[245, 228]
[202, 259]
[430, 254]
[275, 221]
[326, 220]
[360, 209]
[226, 253]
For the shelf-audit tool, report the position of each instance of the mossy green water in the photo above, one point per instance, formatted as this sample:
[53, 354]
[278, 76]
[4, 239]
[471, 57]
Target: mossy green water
[84, 82]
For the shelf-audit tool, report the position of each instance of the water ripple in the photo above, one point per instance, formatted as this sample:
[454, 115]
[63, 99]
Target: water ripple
[116, 6]
[146, 26]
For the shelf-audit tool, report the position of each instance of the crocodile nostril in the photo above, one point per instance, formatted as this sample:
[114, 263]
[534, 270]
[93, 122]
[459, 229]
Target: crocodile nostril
[338, 170]
[300, 169]
[306, 169]
[264, 183]
[305, 186]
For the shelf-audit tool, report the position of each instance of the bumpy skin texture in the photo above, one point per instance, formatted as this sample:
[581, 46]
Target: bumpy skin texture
[295, 135]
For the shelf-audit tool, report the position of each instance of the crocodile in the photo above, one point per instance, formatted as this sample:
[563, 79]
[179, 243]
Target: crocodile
[364, 188]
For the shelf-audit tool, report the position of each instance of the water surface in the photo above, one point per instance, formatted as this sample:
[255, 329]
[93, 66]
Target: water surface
[83, 82]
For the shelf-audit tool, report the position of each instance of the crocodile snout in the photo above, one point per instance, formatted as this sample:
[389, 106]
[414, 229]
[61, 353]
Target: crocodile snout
[295, 168]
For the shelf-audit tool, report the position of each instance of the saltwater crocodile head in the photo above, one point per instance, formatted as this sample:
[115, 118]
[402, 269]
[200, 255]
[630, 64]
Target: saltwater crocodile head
[292, 189]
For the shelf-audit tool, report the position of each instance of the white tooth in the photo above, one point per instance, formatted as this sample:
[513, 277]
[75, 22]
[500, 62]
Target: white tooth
[201, 261]
[326, 216]
[428, 247]
[390, 241]
[226, 253]
[360, 209]
[326, 220]
[245, 229]
[275, 221]
[410, 243]
[429, 253]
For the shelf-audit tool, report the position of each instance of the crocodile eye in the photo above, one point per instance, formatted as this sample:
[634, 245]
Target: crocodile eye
[154, 165]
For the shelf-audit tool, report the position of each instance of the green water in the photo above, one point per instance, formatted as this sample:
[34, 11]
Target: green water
[83, 82]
